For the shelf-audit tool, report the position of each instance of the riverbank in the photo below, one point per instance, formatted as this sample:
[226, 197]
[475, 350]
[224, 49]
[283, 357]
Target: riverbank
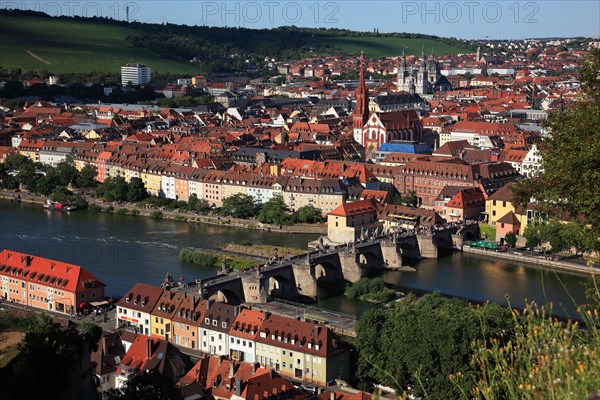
[539, 261]
[182, 216]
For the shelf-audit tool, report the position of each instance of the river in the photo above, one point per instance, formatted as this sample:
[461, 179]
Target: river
[121, 250]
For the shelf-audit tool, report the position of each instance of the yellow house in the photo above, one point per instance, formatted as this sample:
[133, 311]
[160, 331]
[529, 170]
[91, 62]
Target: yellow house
[499, 205]
[301, 350]
[163, 313]
[234, 183]
[151, 175]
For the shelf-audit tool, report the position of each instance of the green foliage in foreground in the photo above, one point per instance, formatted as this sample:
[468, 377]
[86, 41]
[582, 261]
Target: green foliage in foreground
[546, 359]
[371, 290]
[207, 259]
[51, 354]
[415, 345]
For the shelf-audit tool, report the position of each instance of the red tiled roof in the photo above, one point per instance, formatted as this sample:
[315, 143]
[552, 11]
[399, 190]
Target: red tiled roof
[356, 208]
[69, 277]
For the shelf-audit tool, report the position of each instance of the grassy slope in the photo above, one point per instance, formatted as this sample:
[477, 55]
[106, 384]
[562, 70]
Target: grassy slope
[71, 46]
[378, 47]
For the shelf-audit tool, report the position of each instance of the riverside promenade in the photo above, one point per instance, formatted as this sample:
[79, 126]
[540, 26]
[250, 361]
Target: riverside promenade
[183, 216]
[571, 266]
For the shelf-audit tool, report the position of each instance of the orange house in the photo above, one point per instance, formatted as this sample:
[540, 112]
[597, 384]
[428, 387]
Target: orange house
[47, 284]
[508, 223]
[187, 320]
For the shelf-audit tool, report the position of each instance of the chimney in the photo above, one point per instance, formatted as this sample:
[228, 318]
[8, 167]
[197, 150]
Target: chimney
[238, 387]
[231, 369]
[255, 367]
[221, 358]
[332, 395]
[149, 348]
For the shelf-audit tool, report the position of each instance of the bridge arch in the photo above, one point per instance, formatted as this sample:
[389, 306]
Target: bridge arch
[468, 235]
[228, 296]
[280, 286]
[369, 258]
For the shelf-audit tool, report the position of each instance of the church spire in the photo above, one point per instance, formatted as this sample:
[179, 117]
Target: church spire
[361, 112]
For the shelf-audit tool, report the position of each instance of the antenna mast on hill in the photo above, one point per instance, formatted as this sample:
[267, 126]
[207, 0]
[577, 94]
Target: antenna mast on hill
[127, 12]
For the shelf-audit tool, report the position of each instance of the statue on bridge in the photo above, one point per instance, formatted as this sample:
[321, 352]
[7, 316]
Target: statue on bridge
[223, 270]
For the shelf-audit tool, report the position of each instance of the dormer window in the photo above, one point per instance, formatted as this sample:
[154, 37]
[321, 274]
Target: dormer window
[207, 321]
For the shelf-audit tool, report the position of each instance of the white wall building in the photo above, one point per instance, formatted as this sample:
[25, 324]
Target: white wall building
[135, 74]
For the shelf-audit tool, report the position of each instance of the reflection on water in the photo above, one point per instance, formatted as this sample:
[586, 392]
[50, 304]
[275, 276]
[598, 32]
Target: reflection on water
[122, 250]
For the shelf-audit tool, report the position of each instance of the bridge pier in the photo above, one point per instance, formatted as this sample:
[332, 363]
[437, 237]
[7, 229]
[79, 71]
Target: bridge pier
[391, 257]
[351, 269]
[306, 281]
[254, 289]
[427, 248]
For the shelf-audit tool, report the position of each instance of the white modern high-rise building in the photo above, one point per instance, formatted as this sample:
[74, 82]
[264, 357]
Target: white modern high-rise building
[135, 74]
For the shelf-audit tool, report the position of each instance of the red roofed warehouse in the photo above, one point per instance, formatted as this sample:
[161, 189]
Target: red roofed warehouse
[47, 284]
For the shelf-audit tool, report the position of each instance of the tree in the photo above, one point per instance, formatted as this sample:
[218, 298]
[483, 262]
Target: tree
[61, 193]
[275, 212]
[579, 236]
[416, 344]
[27, 176]
[198, 205]
[532, 236]
[46, 184]
[239, 206]
[113, 189]
[50, 354]
[87, 176]
[66, 172]
[136, 191]
[147, 386]
[552, 233]
[309, 215]
[410, 200]
[510, 239]
[92, 333]
[569, 181]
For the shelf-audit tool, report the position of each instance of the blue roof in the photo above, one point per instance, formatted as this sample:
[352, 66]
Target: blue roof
[409, 148]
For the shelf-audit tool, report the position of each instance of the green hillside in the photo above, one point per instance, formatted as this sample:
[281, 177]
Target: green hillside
[377, 47]
[61, 46]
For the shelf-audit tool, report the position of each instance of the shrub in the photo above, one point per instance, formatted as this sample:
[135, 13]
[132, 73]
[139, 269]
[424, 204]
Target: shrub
[156, 215]
[109, 209]
[122, 211]
[135, 212]
[245, 243]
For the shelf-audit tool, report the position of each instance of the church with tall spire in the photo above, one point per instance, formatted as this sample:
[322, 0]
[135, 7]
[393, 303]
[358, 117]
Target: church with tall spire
[419, 79]
[361, 111]
[371, 129]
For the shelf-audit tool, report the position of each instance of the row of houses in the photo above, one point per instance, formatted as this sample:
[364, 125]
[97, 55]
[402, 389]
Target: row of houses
[294, 348]
[121, 355]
